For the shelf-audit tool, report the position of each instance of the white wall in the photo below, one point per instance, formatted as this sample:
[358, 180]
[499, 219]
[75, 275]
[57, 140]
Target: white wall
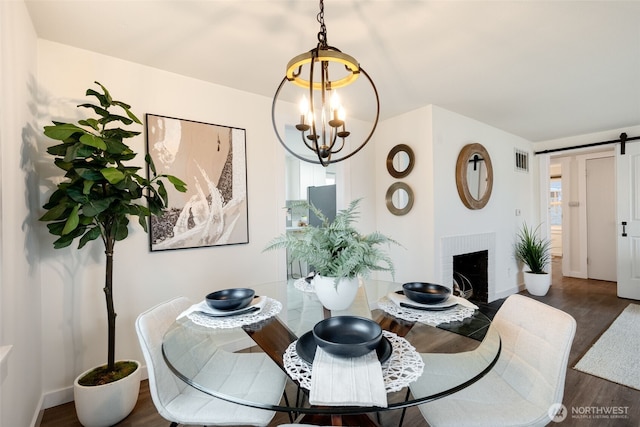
[414, 261]
[21, 371]
[74, 329]
[512, 190]
[437, 136]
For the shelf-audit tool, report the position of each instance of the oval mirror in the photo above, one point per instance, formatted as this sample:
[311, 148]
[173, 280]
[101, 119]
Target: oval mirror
[474, 176]
[399, 198]
[400, 161]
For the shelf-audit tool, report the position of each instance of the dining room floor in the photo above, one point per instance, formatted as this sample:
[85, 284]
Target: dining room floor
[593, 303]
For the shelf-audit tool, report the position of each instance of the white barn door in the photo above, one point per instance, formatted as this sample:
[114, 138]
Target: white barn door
[628, 215]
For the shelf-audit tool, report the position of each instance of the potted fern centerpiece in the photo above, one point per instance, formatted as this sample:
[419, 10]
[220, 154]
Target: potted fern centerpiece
[338, 253]
[95, 200]
[535, 252]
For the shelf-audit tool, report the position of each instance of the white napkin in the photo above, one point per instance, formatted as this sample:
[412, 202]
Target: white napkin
[452, 300]
[347, 381]
[203, 306]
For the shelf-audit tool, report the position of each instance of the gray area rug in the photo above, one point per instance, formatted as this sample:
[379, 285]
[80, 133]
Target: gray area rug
[616, 354]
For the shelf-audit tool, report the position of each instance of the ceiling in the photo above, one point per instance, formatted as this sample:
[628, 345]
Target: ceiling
[538, 69]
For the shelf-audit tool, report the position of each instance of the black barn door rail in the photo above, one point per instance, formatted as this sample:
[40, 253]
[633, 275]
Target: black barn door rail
[622, 140]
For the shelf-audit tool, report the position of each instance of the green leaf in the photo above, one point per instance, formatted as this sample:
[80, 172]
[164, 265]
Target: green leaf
[180, 185]
[66, 239]
[58, 150]
[115, 146]
[86, 186]
[121, 229]
[113, 175]
[56, 228]
[103, 99]
[75, 193]
[96, 207]
[89, 175]
[72, 221]
[132, 116]
[142, 220]
[118, 133]
[59, 196]
[90, 235]
[62, 242]
[93, 141]
[54, 213]
[99, 110]
[106, 92]
[74, 152]
[115, 118]
[62, 131]
[93, 123]
[152, 166]
[162, 191]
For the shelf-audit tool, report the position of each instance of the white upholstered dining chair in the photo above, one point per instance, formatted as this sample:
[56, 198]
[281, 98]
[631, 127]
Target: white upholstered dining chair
[241, 375]
[527, 380]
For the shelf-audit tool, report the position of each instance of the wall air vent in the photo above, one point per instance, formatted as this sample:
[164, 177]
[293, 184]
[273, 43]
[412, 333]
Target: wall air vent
[521, 160]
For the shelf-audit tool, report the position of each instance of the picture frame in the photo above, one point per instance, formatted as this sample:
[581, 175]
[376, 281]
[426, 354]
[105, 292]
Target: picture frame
[212, 160]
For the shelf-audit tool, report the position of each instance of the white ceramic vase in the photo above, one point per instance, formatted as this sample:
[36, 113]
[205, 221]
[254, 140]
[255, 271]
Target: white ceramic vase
[537, 284]
[335, 297]
[108, 404]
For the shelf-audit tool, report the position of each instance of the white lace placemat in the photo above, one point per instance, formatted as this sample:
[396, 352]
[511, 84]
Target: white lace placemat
[433, 318]
[403, 367]
[304, 286]
[271, 308]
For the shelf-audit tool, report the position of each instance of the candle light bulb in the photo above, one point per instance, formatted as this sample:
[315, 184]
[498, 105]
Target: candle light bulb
[335, 101]
[304, 105]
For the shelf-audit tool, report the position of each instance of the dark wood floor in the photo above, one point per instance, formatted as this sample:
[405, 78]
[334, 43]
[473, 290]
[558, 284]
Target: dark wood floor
[592, 303]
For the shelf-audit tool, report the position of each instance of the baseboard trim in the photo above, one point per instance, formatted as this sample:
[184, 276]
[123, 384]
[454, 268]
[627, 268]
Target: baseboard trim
[37, 417]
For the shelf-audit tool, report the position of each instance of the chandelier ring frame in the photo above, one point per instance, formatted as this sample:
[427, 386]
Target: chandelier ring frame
[319, 160]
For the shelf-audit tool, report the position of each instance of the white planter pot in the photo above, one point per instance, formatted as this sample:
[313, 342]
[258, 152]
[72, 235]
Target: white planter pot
[336, 297]
[108, 404]
[537, 284]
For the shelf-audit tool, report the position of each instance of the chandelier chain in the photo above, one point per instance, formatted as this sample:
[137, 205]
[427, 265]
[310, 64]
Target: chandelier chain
[322, 35]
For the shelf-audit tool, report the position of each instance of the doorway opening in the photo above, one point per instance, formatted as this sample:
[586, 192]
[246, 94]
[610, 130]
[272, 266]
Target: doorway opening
[581, 205]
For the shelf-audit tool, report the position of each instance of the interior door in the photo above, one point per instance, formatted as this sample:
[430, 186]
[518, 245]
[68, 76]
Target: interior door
[628, 227]
[601, 219]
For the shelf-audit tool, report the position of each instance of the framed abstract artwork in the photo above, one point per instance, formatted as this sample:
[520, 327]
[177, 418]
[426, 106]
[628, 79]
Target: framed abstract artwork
[211, 159]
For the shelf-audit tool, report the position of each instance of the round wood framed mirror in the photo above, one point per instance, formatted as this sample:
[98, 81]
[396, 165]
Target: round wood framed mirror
[400, 161]
[474, 176]
[399, 198]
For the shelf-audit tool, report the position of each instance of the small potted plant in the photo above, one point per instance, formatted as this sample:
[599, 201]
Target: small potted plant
[338, 253]
[535, 253]
[99, 193]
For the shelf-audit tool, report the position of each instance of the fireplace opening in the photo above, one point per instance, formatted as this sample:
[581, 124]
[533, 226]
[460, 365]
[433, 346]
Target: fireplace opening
[471, 270]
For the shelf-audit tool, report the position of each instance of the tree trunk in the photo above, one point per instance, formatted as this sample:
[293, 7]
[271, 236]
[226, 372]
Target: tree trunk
[111, 313]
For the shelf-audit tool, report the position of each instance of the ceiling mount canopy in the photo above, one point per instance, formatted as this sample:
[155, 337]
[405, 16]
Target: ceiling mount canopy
[322, 125]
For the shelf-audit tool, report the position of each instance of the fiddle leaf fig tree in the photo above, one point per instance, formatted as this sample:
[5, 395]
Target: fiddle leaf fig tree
[100, 191]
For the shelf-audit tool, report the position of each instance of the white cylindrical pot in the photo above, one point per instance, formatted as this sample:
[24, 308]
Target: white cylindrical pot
[108, 404]
[335, 297]
[537, 284]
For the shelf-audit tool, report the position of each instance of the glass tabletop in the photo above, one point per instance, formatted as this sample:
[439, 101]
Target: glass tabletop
[469, 346]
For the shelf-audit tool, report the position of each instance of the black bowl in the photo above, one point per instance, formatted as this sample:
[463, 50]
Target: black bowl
[426, 293]
[230, 299]
[347, 336]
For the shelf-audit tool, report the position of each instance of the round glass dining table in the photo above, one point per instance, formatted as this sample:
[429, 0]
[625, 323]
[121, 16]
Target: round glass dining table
[298, 310]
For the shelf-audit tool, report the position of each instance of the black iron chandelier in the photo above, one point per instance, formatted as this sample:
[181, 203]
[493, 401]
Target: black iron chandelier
[322, 124]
